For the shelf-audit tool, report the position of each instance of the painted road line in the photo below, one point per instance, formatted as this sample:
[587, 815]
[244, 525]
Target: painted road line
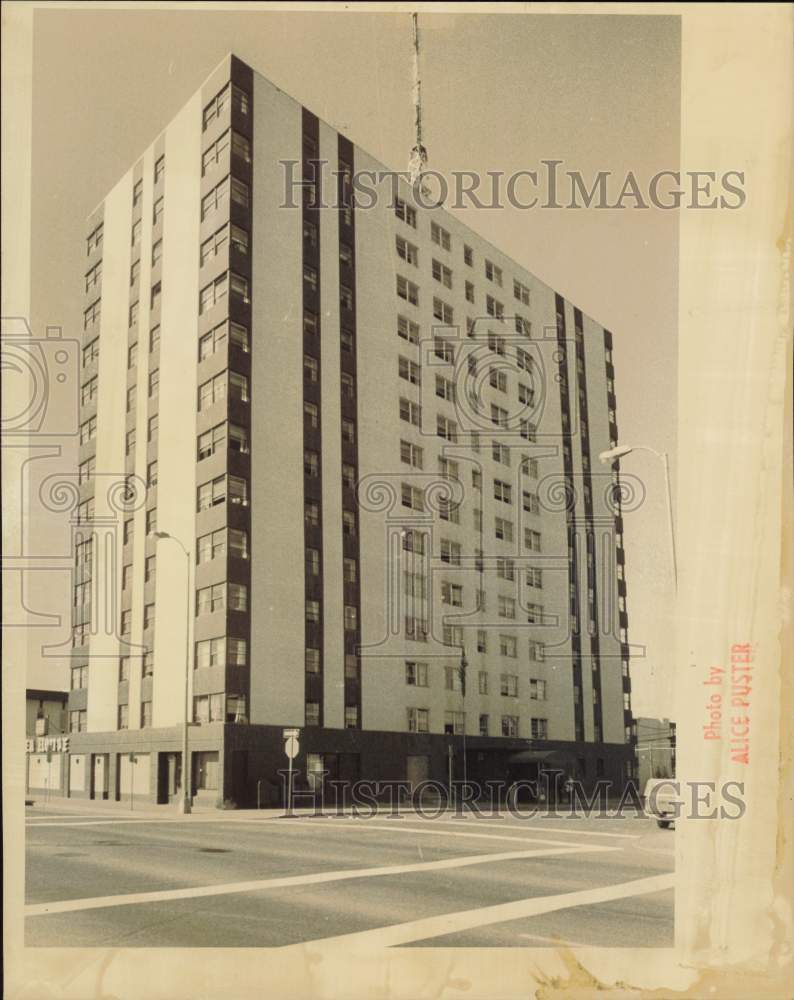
[467, 920]
[534, 829]
[318, 878]
[531, 839]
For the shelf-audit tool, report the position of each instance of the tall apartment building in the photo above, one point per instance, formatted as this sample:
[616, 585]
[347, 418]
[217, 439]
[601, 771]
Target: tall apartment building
[375, 438]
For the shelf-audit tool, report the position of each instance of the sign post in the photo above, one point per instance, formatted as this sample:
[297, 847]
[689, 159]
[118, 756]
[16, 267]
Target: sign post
[133, 762]
[291, 748]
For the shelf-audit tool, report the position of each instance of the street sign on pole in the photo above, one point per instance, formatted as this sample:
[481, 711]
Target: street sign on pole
[291, 748]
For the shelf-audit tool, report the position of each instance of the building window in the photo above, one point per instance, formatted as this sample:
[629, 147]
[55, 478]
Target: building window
[91, 352]
[447, 429]
[79, 678]
[493, 273]
[405, 212]
[498, 379]
[508, 685]
[452, 594]
[157, 212]
[415, 628]
[88, 430]
[94, 239]
[506, 607]
[410, 412]
[508, 646]
[409, 370]
[210, 653]
[154, 382]
[537, 689]
[539, 729]
[469, 292]
[534, 614]
[408, 330]
[494, 308]
[483, 725]
[443, 312]
[412, 497]
[442, 273]
[415, 674]
[528, 430]
[351, 716]
[311, 464]
[240, 193]
[312, 713]
[468, 256]
[509, 725]
[532, 540]
[440, 236]
[407, 290]
[407, 251]
[238, 597]
[455, 723]
[502, 491]
[78, 721]
[91, 315]
[311, 369]
[212, 391]
[445, 388]
[537, 651]
[450, 552]
[238, 386]
[418, 720]
[214, 199]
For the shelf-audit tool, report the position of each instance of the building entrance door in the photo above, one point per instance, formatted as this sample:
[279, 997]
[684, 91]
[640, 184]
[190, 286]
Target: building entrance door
[417, 769]
[99, 775]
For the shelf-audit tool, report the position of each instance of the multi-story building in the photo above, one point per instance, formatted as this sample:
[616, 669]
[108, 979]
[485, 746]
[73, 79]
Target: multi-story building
[371, 439]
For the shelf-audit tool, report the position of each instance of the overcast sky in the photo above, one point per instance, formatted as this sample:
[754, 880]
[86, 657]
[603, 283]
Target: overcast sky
[501, 92]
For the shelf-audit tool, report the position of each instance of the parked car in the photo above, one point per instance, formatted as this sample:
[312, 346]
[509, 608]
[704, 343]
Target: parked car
[662, 800]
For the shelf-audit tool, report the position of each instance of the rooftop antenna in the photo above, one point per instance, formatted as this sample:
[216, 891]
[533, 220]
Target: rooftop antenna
[418, 158]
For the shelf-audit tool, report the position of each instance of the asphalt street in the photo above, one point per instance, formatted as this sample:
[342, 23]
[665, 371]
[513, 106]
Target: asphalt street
[108, 878]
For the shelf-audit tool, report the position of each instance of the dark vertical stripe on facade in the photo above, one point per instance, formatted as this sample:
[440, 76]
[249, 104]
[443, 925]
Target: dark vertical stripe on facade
[570, 516]
[349, 391]
[312, 395]
[590, 540]
[620, 556]
[238, 678]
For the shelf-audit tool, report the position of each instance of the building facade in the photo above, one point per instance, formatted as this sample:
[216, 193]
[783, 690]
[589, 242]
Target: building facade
[330, 451]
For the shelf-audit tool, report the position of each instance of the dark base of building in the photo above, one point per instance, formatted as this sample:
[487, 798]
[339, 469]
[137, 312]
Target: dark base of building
[245, 766]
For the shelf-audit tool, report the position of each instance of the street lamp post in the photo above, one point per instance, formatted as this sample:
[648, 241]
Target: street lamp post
[186, 805]
[618, 452]
[462, 675]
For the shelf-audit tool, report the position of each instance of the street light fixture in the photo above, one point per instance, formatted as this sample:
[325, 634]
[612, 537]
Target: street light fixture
[186, 805]
[613, 454]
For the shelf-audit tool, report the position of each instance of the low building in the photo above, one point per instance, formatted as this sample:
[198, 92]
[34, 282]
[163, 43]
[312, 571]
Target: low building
[655, 749]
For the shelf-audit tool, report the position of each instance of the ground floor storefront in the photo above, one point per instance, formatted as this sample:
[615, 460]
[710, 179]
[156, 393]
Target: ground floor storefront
[246, 765]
